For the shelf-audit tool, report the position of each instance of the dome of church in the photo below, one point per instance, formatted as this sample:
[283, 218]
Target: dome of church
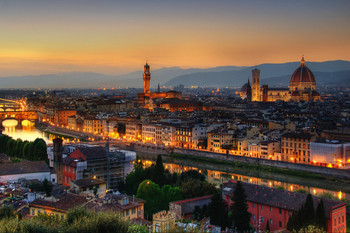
[315, 93]
[302, 75]
[245, 87]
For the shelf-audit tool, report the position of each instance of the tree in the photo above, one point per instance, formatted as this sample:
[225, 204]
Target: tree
[321, 220]
[312, 229]
[308, 212]
[137, 229]
[134, 179]
[18, 148]
[191, 174]
[239, 209]
[47, 188]
[158, 175]
[305, 216]
[25, 150]
[151, 193]
[6, 211]
[218, 211]
[195, 188]
[197, 213]
[170, 194]
[267, 226]
[10, 147]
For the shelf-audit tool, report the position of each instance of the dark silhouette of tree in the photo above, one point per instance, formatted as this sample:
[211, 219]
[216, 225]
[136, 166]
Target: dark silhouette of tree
[321, 220]
[267, 226]
[218, 211]
[47, 187]
[239, 209]
[6, 211]
[195, 188]
[305, 216]
[158, 175]
[308, 213]
[191, 174]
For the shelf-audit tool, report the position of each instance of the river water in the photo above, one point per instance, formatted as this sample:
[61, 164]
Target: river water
[218, 174]
[31, 133]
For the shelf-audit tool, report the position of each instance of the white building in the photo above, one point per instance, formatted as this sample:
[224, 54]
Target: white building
[330, 153]
[28, 170]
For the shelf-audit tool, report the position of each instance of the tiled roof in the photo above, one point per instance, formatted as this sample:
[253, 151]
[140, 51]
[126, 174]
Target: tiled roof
[188, 205]
[23, 167]
[88, 182]
[276, 197]
[92, 153]
[297, 135]
[66, 202]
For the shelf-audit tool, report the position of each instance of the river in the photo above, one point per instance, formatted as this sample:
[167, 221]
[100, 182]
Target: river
[31, 133]
[218, 174]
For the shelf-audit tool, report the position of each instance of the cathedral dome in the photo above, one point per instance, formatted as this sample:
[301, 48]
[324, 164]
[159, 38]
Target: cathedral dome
[245, 87]
[302, 75]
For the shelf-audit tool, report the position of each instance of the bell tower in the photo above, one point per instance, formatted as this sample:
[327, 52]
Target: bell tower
[146, 79]
[256, 96]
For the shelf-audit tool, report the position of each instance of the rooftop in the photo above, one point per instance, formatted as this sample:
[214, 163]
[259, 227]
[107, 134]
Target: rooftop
[277, 197]
[23, 167]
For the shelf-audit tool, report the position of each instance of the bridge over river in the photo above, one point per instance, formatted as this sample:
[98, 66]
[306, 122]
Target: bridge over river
[13, 113]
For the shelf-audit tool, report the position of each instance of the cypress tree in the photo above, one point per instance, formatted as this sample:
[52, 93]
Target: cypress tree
[217, 211]
[320, 218]
[267, 226]
[308, 214]
[158, 175]
[240, 214]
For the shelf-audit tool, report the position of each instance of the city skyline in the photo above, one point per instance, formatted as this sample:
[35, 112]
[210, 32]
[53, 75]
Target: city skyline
[113, 38]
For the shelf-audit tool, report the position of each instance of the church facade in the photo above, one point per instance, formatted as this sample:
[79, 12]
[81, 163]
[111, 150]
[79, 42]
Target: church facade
[302, 87]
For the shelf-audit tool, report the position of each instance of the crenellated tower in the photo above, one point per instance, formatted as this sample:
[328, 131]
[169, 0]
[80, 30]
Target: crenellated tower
[256, 96]
[147, 79]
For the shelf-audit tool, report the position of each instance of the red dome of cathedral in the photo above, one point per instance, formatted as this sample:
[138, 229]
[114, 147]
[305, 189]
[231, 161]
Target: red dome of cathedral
[302, 75]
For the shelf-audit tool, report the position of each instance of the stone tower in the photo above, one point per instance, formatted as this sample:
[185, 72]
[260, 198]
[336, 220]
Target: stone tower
[147, 79]
[57, 158]
[256, 85]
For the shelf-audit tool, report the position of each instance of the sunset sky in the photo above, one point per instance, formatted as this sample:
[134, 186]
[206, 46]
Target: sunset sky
[114, 37]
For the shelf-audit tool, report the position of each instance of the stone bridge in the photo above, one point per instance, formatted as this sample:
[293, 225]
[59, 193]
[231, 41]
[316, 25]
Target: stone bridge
[19, 116]
[10, 105]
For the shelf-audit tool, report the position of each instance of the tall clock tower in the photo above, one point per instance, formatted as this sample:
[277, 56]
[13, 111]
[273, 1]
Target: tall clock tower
[146, 79]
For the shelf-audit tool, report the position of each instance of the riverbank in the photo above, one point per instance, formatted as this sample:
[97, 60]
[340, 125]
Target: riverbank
[327, 183]
[316, 172]
[62, 133]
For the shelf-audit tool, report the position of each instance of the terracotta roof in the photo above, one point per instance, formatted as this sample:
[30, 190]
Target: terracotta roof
[66, 202]
[297, 135]
[92, 153]
[277, 198]
[188, 205]
[88, 182]
[302, 74]
[23, 167]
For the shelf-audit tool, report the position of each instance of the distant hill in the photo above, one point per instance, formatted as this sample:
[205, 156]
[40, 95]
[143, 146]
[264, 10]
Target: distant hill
[95, 80]
[327, 73]
[239, 77]
[339, 78]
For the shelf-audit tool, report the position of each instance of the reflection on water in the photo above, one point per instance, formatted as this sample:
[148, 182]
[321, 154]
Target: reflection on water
[26, 133]
[219, 177]
[30, 133]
